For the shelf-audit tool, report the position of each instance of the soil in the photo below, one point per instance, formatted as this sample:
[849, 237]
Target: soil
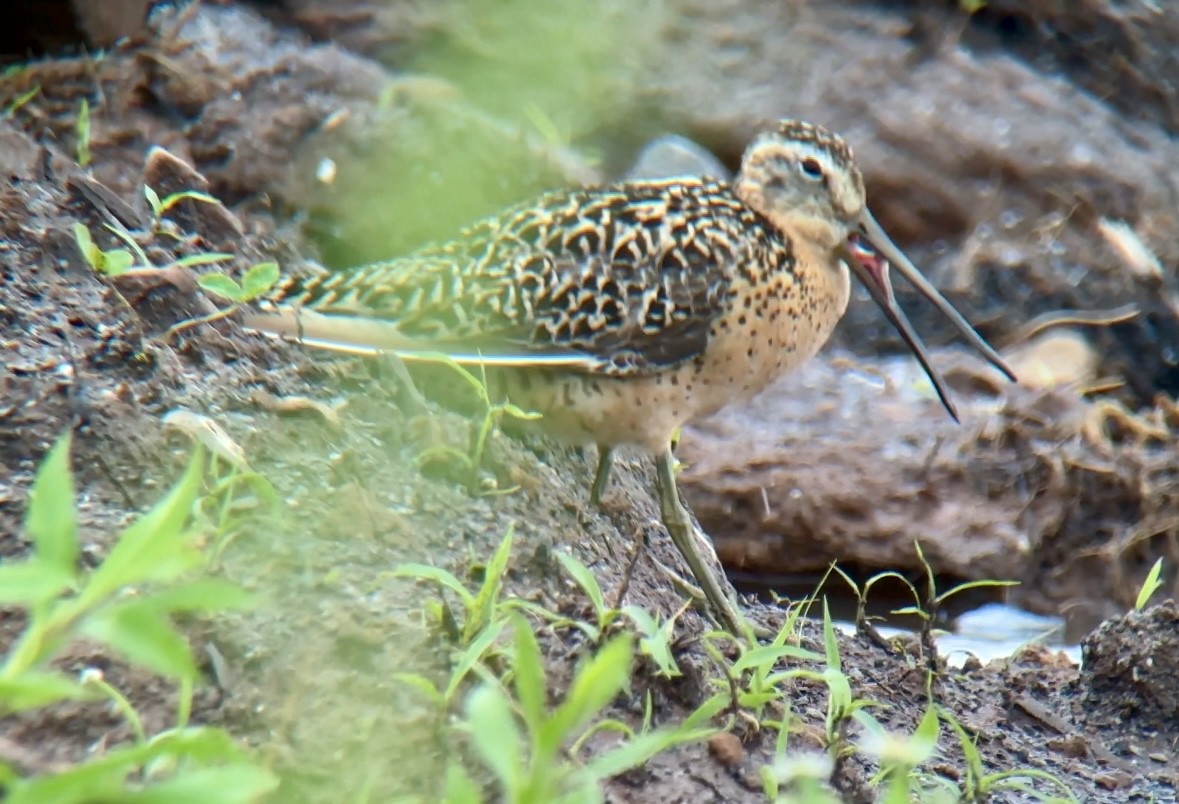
[994, 146]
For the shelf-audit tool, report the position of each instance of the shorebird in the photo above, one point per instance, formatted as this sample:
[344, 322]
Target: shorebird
[623, 311]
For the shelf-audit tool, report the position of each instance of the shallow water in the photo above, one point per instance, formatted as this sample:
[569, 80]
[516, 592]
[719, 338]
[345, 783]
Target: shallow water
[992, 631]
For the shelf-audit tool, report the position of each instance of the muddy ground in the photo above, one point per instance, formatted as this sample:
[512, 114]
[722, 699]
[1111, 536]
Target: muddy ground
[1001, 150]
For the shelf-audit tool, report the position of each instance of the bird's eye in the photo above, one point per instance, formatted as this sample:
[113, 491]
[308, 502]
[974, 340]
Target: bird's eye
[811, 169]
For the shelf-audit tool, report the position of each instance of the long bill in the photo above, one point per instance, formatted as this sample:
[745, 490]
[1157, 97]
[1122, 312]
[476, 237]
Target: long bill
[872, 270]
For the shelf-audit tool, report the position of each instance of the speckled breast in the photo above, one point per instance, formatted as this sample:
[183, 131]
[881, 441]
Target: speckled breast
[770, 328]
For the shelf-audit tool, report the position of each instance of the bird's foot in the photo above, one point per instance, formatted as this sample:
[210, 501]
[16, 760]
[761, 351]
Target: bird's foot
[687, 539]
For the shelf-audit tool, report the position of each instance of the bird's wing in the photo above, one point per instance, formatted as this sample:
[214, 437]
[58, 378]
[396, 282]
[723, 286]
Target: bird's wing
[620, 280]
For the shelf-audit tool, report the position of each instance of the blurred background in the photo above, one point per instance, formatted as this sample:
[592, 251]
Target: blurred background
[1023, 153]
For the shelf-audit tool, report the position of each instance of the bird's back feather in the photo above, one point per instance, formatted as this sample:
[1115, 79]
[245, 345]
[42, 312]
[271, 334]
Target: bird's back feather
[622, 279]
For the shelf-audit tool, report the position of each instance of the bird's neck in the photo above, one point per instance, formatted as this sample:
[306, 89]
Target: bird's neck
[797, 221]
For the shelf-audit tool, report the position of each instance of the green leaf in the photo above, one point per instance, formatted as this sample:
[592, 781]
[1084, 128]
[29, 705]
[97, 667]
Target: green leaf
[970, 754]
[203, 744]
[915, 611]
[830, 643]
[476, 384]
[90, 252]
[633, 753]
[839, 694]
[496, 737]
[980, 584]
[459, 787]
[207, 258]
[766, 656]
[82, 132]
[706, 711]
[153, 200]
[116, 262]
[50, 521]
[531, 687]
[28, 583]
[517, 412]
[471, 656]
[151, 544]
[21, 100]
[141, 633]
[104, 779]
[256, 482]
[124, 262]
[259, 279]
[194, 195]
[1150, 585]
[445, 579]
[35, 688]
[204, 595]
[483, 605]
[927, 729]
[423, 685]
[99, 780]
[594, 686]
[586, 580]
[654, 639]
[221, 285]
[239, 783]
[896, 576]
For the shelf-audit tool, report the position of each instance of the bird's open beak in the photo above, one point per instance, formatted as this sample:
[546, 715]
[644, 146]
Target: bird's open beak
[868, 254]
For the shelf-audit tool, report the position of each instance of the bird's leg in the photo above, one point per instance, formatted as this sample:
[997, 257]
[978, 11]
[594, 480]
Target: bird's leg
[602, 475]
[684, 535]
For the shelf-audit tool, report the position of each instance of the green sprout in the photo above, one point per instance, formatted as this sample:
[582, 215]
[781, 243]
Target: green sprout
[127, 604]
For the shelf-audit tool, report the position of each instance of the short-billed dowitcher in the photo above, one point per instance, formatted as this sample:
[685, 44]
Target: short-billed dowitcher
[623, 311]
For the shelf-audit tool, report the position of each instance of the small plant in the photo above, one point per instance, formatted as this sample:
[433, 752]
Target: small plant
[21, 101]
[521, 741]
[654, 636]
[121, 262]
[751, 683]
[223, 509]
[864, 624]
[604, 614]
[800, 778]
[493, 414]
[1152, 583]
[161, 207]
[483, 618]
[256, 283]
[109, 263]
[125, 604]
[841, 704]
[899, 755]
[980, 786]
[928, 606]
[82, 133]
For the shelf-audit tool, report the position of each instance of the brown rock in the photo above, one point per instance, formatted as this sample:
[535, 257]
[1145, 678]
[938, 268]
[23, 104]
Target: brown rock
[106, 21]
[852, 463]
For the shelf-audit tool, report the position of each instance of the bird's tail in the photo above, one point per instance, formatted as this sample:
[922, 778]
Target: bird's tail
[359, 335]
[338, 333]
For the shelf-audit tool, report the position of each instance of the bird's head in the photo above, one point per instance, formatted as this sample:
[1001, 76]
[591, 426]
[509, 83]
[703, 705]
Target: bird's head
[803, 179]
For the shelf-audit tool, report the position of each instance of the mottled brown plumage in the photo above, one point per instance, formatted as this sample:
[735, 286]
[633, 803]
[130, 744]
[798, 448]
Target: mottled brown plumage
[621, 312]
